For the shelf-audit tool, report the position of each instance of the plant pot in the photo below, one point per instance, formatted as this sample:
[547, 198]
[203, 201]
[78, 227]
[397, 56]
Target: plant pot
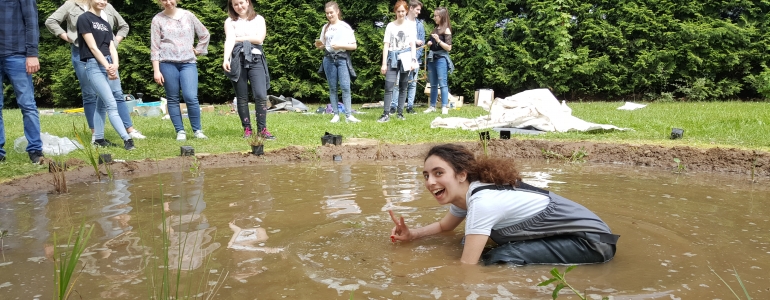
[484, 135]
[331, 139]
[505, 135]
[258, 150]
[105, 158]
[186, 151]
[677, 133]
[337, 157]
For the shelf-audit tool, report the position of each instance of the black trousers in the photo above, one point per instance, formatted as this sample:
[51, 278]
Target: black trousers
[562, 249]
[254, 74]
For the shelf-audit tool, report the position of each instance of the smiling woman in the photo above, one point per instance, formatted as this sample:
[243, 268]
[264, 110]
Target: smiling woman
[530, 225]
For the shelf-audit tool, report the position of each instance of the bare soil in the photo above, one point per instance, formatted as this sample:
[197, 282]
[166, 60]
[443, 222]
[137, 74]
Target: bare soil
[736, 161]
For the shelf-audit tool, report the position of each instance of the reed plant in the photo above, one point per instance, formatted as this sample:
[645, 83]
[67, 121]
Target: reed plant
[740, 282]
[560, 279]
[89, 151]
[65, 263]
[744, 125]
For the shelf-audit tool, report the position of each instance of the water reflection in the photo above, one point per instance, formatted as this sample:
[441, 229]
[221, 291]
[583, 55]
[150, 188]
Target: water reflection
[339, 192]
[400, 185]
[188, 229]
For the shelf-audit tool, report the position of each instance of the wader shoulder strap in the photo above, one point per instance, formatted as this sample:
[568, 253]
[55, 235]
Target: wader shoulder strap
[520, 186]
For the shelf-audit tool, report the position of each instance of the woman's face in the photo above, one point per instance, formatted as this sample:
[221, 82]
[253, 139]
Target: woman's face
[436, 18]
[168, 4]
[99, 4]
[442, 181]
[241, 7]
[331, 14]
[400, 13]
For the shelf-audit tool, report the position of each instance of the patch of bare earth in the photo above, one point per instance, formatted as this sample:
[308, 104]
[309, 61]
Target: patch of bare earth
[694, 160]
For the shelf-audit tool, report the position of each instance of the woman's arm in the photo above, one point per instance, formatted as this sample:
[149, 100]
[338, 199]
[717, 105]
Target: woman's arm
[474, 245]
[203, 37]
[444, 45]
[384, 67]
[402, 233]
[53, 22]
[229, 44]
[122, 26]
[91, 43]
[112, 71]
[259, 36]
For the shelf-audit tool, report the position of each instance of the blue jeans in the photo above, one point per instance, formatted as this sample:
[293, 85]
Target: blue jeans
[14, 67]
[437, 74]
[89, 96]
[108, 92]
[182, 76]
[411, 89]
[337, 73]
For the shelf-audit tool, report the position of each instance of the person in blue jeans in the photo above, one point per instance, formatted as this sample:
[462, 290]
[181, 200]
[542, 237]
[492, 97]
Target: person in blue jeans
[337, 39]
[174, 62]
[68, 13]
[415, 7]
[102, 64]
[439, 63]
[19, 36]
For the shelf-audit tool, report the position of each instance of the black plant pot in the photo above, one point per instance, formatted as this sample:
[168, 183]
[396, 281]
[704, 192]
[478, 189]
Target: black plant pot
[331, 139]
[186, 151]
[258, 150]
[505, 135]
[484, 135]
[677, 133]
[105, 158]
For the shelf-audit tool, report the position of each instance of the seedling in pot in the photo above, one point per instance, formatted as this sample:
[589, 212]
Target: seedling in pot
[257, 143]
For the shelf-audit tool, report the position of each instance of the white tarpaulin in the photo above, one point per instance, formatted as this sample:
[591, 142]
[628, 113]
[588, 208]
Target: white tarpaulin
[532, 108]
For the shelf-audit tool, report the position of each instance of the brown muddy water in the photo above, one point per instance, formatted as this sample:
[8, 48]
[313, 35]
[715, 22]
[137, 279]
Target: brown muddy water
[328, 232]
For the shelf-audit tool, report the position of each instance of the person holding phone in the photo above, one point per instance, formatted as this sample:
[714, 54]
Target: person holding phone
[337, 40]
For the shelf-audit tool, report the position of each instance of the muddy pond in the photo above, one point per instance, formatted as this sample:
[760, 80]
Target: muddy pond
[327, 231]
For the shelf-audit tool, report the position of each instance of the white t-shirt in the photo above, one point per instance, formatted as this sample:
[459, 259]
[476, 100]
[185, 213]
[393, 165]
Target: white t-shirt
[244, 27]
[340, 34]
[399, 36]
[496, 209]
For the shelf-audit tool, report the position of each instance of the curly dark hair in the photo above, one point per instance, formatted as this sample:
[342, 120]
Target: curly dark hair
[485, 169]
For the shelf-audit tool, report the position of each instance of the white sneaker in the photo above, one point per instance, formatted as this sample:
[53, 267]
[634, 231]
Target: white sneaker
[137, 135]
[181, 136]
[430, 109]
[336, 119]
[445, 110]
[352, 119]
[199, 135]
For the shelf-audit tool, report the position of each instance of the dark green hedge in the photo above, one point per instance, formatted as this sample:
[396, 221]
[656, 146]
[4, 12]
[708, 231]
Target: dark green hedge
[695, 50]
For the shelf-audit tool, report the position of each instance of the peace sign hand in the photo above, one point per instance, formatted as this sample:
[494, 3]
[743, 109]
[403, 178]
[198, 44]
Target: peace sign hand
[400, 232]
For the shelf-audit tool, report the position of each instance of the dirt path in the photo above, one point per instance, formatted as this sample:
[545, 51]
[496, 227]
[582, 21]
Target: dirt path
[693, 160]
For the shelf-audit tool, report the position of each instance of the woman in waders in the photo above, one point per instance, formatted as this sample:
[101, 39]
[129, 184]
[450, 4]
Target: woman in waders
[530, 225]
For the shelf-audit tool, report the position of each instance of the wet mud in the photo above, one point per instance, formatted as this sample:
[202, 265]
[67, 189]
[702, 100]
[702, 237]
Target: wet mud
[748, 163]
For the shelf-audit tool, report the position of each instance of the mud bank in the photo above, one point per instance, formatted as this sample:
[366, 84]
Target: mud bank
[722, 160]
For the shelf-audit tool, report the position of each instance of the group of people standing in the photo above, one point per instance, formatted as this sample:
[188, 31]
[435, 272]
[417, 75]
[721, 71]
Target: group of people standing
[402, 52]
[89, 25]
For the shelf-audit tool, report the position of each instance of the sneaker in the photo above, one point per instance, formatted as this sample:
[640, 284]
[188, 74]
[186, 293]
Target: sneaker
[128, 144]
[199, 134]
[35, 156]
[400, 116]
[445, 110]
[352, 119]
[181, 135]
[410, 110]
[392, 109]
[266, 134]
[384, 118]
[137, 135]
[336, 119]
[246, 133]
[430, 109]
[104, 143]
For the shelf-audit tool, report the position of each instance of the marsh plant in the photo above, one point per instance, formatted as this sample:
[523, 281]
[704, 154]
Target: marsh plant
[740, 282]
[578, 156]
[65, 263]
[57, 168]
[679, 166]
[3, 234]
[89, 150]
[561, 282]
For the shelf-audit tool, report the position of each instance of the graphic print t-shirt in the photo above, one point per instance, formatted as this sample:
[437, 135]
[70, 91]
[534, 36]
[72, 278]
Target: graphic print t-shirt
[88, 22]
[340, 34]
[399, 36]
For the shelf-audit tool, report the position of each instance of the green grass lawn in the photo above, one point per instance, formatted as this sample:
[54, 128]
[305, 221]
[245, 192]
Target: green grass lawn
[744, 125]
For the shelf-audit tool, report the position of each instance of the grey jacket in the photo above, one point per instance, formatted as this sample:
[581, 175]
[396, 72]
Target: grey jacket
[70, 11]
